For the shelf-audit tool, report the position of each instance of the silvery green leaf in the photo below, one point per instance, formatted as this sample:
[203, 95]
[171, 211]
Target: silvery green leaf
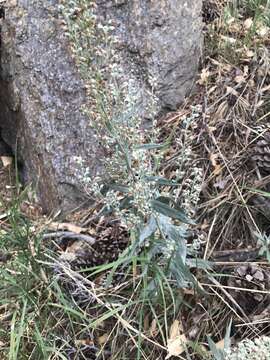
[174, 235]
[153, 146]
[148, 230]
[120, 188]
[169, 211]
[217, 353]
[126, 202]
[162, 181]
[199, 264]
[180, 271]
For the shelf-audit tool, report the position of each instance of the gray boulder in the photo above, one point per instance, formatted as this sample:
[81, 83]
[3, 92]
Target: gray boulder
[42, 93]
[162, 39]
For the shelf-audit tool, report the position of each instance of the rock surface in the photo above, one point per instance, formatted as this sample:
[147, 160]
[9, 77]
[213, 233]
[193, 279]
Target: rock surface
[41, 96]
[41, 92]
[163, 39]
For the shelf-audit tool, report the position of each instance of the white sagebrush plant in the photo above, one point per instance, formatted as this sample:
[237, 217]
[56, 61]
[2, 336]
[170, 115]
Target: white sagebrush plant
[135, 190]
[263, 242]
[257, 349]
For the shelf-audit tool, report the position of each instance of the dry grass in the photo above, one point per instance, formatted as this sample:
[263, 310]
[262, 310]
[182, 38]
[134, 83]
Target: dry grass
[233, 91]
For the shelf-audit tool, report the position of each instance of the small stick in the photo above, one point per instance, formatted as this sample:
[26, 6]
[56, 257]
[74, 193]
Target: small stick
[70, 235]
[239, 255]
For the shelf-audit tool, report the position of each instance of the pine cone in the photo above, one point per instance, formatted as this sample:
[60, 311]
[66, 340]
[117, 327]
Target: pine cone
[261, 154]
[250, 276]
[108, 246]
[80, 255]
